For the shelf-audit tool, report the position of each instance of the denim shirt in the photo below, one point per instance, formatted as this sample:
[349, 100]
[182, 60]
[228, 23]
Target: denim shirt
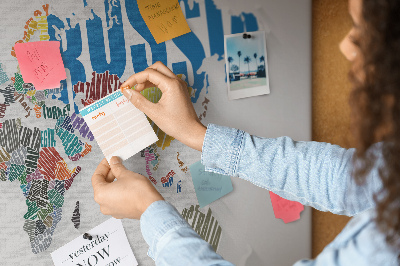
[312, 173]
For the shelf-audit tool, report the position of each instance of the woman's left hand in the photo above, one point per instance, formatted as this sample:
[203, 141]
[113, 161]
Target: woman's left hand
[128, 196]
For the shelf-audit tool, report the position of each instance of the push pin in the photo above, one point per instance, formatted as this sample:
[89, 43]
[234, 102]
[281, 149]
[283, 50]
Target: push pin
[87, 236]
[124, 88]
[246, 36]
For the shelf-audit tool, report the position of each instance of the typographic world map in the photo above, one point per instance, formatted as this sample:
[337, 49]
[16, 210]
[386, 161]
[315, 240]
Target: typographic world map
[102, 43]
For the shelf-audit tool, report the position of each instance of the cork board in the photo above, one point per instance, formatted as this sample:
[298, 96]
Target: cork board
[330, 97]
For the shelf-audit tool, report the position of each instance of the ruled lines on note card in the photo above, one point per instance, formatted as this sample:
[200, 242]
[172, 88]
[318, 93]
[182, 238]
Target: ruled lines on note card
[119, 127]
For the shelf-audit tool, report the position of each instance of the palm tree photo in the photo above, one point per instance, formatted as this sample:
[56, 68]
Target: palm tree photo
[247, 61]
[239, 53]
[262, 59]
[264, 72]
[255, 60]
[230, 60]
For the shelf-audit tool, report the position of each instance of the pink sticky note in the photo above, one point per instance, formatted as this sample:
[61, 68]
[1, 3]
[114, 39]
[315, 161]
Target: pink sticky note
[41, 64]
[284, 209]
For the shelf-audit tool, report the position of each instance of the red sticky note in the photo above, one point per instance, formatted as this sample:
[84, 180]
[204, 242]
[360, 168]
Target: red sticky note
[41, 64]
[284, 209]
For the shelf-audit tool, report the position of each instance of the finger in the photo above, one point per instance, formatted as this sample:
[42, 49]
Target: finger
[140, 102]
[117, 167]
[160, 67]
[100, 174]
[159, 80]
[104, 210]
[117, 216]
[142, 86]
[110, 177]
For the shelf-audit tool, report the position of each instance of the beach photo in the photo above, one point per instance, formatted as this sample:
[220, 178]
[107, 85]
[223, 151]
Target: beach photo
[246, 64]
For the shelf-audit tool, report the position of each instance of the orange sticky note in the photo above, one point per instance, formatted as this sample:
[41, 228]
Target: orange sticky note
[164, 18]
[41, 64]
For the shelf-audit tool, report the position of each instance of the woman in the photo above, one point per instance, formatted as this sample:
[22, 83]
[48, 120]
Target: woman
[316, 174]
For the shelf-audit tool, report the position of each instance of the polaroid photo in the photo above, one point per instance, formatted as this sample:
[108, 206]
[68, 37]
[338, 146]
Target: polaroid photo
[246, 64]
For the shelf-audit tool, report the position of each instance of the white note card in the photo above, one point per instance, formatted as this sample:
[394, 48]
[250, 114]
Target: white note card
[109, 246]
[118, 126]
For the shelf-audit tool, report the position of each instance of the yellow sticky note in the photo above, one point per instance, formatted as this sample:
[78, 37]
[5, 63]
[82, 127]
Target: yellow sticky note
[164, 18]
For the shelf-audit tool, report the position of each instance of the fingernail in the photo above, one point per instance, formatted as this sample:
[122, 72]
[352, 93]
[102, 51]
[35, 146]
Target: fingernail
[115, 160]
[124, 88]
[127, 93]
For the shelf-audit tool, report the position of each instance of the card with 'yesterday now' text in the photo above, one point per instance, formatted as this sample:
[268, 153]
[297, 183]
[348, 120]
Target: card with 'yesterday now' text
[109, 246]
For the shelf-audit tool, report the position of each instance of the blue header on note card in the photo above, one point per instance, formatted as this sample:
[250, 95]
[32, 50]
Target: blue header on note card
[94, 106]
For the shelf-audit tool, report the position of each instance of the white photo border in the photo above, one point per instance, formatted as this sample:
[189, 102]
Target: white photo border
[248, 92]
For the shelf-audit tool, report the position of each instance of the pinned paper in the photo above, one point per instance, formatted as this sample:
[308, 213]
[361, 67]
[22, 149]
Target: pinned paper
[41, 64]
[288, 211]
[118, 126]
[164, 18]
[209, 186]
[109, 246]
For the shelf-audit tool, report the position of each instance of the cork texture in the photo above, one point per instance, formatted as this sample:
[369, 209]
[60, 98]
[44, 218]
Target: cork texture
[331, 89]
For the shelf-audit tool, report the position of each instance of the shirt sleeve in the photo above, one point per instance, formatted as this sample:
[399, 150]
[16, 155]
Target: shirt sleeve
[360, 243]
[172, 241]
[312, 173]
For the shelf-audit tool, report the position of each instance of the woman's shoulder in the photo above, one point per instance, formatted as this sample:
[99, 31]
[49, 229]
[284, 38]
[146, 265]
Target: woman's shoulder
[365, 240]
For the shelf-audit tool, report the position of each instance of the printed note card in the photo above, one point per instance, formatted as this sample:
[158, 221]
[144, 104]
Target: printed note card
[164, 18]
[41, 64]
[109, 246]
[209, 186]
[118, 126]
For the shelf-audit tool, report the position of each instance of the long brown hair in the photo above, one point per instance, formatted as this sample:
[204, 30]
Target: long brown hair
[375, 101]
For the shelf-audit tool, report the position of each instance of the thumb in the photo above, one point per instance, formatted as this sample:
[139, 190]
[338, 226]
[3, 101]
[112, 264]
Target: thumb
[139, 101]
[117, 167]
[99, 176]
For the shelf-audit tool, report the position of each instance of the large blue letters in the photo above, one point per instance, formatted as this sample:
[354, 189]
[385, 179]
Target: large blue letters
[116, 41]
[138, 52]
[70, 55]
[189, 44]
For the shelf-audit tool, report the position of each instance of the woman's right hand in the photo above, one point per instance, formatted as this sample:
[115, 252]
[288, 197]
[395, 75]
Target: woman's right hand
[174, 112]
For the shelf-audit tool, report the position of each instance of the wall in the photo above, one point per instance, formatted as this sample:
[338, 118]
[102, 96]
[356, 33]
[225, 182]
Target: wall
[331, 88]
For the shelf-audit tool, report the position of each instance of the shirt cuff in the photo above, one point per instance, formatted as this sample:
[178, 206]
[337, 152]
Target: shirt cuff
[159, 218]
[221, 150]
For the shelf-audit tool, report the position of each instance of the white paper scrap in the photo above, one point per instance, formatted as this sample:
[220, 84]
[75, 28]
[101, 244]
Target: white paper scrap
[118, 126]
[109, 246]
